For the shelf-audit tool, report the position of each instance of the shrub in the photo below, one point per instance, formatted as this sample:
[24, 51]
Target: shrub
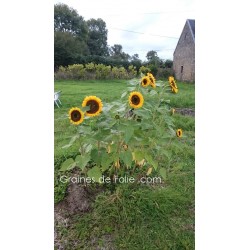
[91, 71]
[76, 71]
[132, 71]
[164, 73]
[144, 70]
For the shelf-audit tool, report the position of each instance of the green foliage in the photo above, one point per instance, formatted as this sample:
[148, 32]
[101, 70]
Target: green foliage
[70, 35]
[153, 69]
[97, 37]
[144, 70]
[76, 71]
[67, 19]
[132, 71]
[126, 137]
[117, 53]
[67, 48]
[168, 63]
[164, 73]
[94, 71]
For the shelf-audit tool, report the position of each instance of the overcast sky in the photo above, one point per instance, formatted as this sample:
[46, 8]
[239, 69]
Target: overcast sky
[159, 23]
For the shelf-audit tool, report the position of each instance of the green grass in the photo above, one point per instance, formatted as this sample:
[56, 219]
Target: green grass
[133, 216]
[185, 97]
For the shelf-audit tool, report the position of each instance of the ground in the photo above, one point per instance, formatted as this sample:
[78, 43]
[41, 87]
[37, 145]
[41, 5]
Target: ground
[126, 216]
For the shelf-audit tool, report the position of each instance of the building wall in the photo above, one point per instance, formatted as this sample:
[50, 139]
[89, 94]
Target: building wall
[184, 57]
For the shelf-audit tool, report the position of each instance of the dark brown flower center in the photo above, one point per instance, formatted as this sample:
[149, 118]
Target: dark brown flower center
[135, 99]
[94, 106]
[76, 116]
[145, 81]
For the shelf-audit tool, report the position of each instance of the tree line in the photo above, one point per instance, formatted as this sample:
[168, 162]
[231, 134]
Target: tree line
[79, 41]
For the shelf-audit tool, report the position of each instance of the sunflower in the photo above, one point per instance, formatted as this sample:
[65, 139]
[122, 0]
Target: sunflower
[170, 78]
[172, 82]
[174, 90]
[153, 85]
[179, 132]
[76, 116]
[135, 100]
[145, 81]
[152, 80]
[95, 105]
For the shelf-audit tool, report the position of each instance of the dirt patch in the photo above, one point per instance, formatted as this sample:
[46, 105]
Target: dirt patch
[185, 111]
[78, 200]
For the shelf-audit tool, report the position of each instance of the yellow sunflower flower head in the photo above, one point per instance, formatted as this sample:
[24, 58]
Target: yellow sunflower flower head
[135, 99]
[172, 82]
[179, 132]
[174, 90]
[152, 80]
[95, 105]
[170, 78]
[153, 85]
[145, 81]
[76, 116]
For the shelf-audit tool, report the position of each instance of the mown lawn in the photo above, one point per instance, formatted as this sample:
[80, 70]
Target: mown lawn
[132, 217]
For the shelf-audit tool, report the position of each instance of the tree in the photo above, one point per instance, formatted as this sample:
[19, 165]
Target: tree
[168, 63]
[136, 61]
[67, 48]
[152, 56]
[70, 35]
[67, 19]
[117, 53]
[97, 37]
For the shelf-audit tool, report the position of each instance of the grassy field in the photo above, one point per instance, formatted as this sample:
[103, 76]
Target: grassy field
[131, 217]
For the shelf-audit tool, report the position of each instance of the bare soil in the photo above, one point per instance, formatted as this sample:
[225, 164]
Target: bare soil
[78, 200]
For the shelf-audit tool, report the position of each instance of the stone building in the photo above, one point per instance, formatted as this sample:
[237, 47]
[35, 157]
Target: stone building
[184, 54]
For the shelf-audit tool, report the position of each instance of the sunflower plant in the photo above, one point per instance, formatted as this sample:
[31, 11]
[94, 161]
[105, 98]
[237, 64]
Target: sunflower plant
[127, 136]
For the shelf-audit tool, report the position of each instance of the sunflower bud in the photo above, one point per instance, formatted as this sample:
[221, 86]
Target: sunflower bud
[117, 164]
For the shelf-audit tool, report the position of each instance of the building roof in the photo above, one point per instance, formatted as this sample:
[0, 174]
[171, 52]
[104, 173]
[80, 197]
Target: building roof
[191, 23]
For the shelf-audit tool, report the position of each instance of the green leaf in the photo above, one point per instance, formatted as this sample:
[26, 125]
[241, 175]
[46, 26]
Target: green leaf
[146, 125]
[122, 108]
[106, 160]
[68, 164]
[131, 88]
[129, 131]
[124, 94]
[95, 156]
[72, 140]
[150, 160]
[153, 92]
[144, 113]
[139, 156]
[82, 160]
[83, 129]
[163, 173]
[126, 157]
[95, 173]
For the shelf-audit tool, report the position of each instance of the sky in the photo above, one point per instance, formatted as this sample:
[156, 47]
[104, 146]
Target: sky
[139, 26]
